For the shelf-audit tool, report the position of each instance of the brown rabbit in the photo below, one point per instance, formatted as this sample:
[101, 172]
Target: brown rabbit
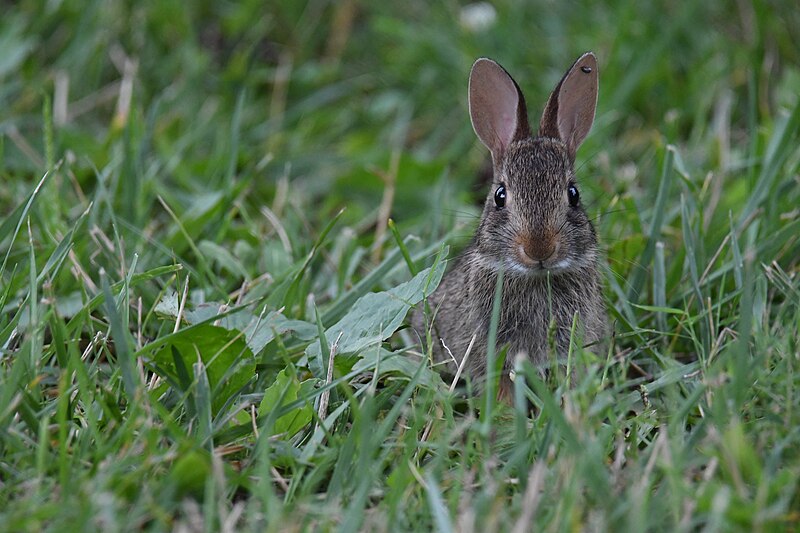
[533, 226]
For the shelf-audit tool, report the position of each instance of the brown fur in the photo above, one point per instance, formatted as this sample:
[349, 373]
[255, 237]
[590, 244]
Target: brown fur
[546, 247]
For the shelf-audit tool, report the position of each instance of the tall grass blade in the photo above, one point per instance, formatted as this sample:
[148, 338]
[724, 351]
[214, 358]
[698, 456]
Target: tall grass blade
[781, 145]
[491, 349]
[122, 342]
[658, 216]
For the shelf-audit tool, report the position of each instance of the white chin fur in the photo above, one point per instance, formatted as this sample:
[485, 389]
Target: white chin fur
[516, 268]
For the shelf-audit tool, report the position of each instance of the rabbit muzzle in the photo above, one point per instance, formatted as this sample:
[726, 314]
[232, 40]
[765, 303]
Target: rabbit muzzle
[534, 250]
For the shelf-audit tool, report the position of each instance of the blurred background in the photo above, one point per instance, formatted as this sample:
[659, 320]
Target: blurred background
[223, 108]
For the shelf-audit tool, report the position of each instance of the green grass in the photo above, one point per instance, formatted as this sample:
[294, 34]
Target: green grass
[174, 248]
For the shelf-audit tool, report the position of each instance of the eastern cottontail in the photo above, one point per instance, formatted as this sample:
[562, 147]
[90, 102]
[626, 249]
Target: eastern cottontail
[533, 226]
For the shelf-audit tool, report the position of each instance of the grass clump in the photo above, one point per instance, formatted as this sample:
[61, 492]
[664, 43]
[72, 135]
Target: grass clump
[203, 296]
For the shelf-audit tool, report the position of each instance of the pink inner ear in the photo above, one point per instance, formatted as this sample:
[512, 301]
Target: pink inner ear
[494, 105]
[508, 123]
[577, 100]
[506, 109]
[569, 112]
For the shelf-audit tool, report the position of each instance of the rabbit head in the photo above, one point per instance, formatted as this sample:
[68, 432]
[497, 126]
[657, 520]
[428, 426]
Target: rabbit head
[533, 220]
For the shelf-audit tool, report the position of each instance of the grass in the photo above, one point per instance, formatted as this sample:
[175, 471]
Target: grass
[203, 298]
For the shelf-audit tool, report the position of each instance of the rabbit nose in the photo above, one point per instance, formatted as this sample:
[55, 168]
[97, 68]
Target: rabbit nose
[537, 249]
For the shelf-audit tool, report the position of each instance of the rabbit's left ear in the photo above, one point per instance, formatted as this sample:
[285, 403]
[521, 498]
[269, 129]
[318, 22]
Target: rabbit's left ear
[570, 110]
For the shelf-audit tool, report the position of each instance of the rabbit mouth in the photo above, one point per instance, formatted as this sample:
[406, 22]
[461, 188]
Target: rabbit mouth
[515, 267]
[539, 268]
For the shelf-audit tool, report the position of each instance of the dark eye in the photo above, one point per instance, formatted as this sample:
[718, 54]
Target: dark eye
[500, 196]
[574, 197]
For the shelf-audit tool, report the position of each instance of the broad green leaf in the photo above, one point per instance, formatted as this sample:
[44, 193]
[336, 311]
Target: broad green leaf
[229, 362]
[292, 422]
[258, 330]
[376, 316]
[397, 364]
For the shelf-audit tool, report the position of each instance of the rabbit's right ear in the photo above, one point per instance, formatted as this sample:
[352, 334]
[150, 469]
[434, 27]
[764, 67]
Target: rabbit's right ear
[496, 107]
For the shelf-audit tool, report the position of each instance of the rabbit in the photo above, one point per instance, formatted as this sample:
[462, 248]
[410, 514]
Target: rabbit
[533, 226]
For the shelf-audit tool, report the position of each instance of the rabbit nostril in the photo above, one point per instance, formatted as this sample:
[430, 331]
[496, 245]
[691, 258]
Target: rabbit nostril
[538, 250]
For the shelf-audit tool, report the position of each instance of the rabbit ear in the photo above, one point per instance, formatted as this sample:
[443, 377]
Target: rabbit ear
[569, 112]
[496, 107]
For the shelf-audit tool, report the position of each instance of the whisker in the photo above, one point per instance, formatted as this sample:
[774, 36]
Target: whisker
[461, 213]
[609, 212]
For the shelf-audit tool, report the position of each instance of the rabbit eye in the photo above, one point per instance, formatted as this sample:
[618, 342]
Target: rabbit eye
[500, 196]
[574, 196]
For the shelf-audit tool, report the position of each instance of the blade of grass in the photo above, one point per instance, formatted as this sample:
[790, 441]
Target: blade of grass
[36, 339]
[781, 145]
[660, 286]
[738, 263]
[122, 341]
[340, 306]
[690, 245]
[403, 249]
[202, 401]
[15, 220]
[658, 215]
[491, 348]
[205, 270]
[236, 126]
[441, 516]
[135, 280]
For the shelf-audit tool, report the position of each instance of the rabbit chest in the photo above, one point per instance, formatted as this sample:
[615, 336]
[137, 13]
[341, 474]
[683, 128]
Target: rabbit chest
[536, 318]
